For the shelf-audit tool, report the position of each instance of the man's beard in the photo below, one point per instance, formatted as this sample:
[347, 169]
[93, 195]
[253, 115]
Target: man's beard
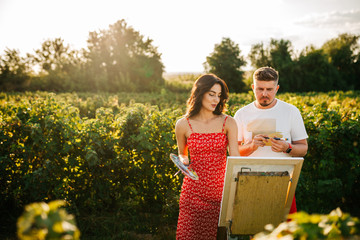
[266, 104]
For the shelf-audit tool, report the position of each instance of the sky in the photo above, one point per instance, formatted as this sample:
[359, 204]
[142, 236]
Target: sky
[185, 32]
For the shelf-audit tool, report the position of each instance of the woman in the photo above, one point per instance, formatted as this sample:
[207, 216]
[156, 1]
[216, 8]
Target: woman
[208, 134]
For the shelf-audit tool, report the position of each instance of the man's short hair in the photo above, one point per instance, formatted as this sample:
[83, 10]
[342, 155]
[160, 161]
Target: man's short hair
[266, 74]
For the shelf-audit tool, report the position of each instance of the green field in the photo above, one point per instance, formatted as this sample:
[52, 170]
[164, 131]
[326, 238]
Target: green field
[107, 156]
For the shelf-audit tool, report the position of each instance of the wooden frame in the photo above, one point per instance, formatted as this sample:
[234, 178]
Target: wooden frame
[233, 193]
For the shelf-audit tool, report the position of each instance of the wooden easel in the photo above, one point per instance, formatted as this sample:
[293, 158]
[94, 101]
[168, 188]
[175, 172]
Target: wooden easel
[257, 192]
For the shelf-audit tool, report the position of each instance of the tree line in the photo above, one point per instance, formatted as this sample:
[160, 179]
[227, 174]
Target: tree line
[116, 59]
[333, 66]
[120, 59]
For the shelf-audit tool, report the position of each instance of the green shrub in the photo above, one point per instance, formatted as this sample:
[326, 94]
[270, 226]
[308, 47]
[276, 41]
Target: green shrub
[336, 225]
[42, 221]
[108, 156]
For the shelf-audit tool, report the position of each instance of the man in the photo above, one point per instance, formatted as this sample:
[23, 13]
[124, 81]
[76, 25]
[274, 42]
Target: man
[269, 127]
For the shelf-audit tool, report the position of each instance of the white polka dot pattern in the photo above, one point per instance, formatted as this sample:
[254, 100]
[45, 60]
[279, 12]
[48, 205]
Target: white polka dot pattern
[200, 200]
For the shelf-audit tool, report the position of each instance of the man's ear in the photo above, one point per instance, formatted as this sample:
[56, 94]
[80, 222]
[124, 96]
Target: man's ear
[252, 86]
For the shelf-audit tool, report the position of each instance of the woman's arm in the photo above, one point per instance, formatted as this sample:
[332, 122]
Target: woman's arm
[180, 132]
[232, 134]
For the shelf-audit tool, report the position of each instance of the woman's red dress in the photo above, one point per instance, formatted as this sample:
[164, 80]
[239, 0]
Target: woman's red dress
[200, 200]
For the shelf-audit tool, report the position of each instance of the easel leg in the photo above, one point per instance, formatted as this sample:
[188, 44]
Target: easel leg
[221, 233]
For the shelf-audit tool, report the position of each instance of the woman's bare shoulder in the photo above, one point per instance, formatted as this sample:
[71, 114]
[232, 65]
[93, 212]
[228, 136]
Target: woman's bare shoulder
[181, 122]
[230, 120]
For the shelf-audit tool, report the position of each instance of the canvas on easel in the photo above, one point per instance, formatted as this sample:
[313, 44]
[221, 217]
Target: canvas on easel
[257, 191]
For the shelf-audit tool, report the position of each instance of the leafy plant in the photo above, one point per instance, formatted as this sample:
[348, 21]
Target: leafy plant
[336, 225]
[108, 156]
[42, 221]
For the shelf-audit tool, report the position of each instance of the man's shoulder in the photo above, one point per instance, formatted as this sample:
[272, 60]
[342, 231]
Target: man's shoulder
[243, 111]
[247, 107]
[286, 105]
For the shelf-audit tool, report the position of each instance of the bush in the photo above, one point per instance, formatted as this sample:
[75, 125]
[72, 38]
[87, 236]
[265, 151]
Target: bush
[336, 225]
[108, 157]
[43, 221]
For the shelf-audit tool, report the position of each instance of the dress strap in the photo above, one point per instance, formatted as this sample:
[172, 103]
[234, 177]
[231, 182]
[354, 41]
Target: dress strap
[224, 124]
[190, 125]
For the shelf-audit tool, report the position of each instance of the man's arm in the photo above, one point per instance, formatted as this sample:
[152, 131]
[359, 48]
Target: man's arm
[245, 149]
[299, 148]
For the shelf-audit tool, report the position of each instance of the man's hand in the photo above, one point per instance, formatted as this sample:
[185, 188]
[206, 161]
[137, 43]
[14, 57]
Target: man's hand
[279, 145]
[259, 141]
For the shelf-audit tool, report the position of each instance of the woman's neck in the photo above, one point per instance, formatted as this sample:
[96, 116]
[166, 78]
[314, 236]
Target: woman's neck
[205, 116]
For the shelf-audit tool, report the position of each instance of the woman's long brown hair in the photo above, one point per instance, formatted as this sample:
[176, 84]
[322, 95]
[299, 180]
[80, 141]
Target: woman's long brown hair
[201, 86]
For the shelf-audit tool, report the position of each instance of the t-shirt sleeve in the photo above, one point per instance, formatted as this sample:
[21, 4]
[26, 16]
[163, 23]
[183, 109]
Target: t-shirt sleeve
[298, 131]
[240, 125]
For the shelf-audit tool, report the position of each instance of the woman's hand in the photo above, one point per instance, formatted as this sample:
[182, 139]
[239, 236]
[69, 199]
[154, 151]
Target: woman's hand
[184, 159]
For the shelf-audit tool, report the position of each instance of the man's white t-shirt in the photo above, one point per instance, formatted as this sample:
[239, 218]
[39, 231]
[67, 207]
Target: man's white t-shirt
[282, 120]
